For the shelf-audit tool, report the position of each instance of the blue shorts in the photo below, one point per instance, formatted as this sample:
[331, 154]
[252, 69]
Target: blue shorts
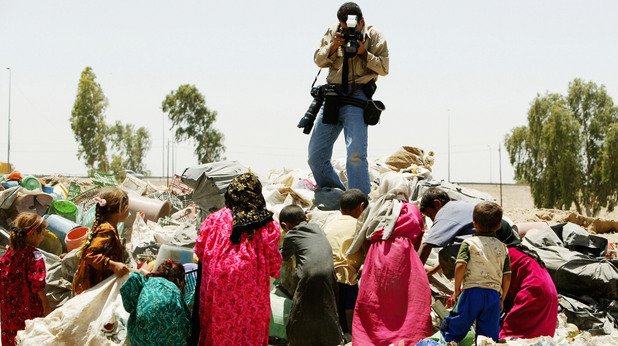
[474, 304]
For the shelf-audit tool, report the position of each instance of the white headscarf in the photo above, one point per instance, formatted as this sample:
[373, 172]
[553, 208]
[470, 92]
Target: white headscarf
[384, 211]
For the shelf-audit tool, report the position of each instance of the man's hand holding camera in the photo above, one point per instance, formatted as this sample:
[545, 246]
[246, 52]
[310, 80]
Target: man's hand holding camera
[338, 41]
[361, 48]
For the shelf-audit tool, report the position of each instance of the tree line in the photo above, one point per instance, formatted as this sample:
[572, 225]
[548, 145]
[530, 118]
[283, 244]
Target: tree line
[568, 152]
[114, 148]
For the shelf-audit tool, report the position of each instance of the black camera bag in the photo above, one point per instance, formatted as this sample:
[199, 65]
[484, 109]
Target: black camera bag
[373, 110]
[332, 103]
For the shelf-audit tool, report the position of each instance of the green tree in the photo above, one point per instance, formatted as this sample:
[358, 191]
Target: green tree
[193, 121]
[130, 146]
[88, 122]
[568, 152]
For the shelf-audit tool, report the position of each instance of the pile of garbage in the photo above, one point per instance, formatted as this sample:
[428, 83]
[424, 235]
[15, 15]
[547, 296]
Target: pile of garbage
[164, 223]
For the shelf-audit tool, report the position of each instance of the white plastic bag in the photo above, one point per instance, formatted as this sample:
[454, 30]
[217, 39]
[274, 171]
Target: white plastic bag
[95, 317]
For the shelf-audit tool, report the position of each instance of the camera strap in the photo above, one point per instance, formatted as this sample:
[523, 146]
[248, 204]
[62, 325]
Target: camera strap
[316, 78]
[344, 76]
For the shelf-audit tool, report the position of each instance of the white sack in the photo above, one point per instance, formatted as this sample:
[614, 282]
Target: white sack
[81, 319]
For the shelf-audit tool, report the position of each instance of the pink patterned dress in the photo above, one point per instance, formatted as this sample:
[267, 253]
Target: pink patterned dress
[234, 293]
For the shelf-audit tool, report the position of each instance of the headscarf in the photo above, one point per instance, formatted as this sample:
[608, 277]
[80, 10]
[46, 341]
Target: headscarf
[509, 237]
[244, 198]
[382, 214]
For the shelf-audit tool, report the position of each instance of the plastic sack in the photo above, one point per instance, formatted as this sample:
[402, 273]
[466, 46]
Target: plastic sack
[95, 317]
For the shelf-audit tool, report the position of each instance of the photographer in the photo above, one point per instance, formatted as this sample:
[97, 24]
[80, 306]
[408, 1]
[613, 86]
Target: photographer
[355, 57]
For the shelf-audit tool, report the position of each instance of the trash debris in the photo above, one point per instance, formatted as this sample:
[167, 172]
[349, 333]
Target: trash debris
[164, 223]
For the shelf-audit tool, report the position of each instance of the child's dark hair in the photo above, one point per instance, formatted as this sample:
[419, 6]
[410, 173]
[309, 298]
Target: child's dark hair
[292, 214]
[108, 201]
[349, 8]
[24, 224]
[487, 216]
[351, 199]
[172, 271]
[432, 194]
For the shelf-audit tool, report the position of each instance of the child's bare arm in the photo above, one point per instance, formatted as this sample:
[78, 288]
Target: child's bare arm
[506, 282]
[460, 271]
[463, 256]
[46, 308]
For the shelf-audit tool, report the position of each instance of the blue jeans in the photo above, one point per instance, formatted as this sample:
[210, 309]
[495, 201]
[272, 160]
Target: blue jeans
[323, 138]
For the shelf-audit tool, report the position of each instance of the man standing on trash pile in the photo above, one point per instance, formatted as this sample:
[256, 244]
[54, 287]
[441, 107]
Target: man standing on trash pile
[352, 76]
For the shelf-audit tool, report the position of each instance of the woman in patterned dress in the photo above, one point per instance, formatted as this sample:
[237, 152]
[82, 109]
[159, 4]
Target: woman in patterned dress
[159, 315]
[238, 250]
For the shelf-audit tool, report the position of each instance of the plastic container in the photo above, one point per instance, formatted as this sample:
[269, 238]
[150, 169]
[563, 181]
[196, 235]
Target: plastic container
[9, 184]
[47, 189]
[61, 190]
[66, 209]
[51, 244]
[30, 183]
[76, 238]
[280, 307]
[189, 267]
[153, 209]
[60, 226]
[175, 253]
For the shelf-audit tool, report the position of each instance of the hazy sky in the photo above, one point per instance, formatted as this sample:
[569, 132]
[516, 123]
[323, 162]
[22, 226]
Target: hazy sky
[253, 61]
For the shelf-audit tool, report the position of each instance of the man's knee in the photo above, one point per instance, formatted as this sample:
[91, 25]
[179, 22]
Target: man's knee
[356, 158]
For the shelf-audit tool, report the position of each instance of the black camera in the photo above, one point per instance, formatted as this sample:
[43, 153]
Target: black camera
[306, 122]
[352, 37]
[326, 95]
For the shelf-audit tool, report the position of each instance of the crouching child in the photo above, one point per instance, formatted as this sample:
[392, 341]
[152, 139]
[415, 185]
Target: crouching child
[313, 317]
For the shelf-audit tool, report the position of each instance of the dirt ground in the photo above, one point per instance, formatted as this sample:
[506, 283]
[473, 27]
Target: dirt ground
[519, 207]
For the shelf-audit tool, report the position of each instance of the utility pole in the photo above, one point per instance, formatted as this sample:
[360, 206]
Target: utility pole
[173, 158]
[8, 146]
[168, 164]
[491, 181]
[163, 147]
[448, 141]
[500, 170]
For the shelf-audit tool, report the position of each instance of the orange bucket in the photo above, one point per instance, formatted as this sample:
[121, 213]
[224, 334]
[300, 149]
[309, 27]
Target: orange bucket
[76, 238]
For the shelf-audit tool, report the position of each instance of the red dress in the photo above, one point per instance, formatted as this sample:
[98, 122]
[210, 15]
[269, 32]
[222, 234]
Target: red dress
[533, 297]
[394, 297]
[234, 293]
[22, 276]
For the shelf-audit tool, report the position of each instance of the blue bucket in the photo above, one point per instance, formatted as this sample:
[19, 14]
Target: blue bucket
[9, 184]
[60, 226]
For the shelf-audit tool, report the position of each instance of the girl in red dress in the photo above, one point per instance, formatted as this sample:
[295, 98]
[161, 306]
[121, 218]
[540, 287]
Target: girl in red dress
[22, 277]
